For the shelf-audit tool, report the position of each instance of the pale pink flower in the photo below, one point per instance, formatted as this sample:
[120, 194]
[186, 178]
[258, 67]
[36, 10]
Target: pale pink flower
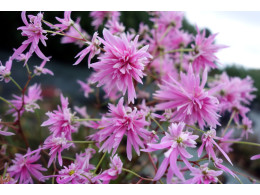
[38, 70]
[61, 120]
[5, 71]
[85, 88]
[122, 121]
[115, 27]
[121, 64]
[72, 32]
[208, 142]
[218, 164]
[204, 175]
[100, 16]
[112, 173]
[192, 103]
[23, 57]
[246, 127]
[65, 22]
[176, 142]
[30, 100]
[23, 168]
[255, 157]
[92, 49]
[82, 159]
[56, 146]
[35, 33]
[4, 132]
[204, 51]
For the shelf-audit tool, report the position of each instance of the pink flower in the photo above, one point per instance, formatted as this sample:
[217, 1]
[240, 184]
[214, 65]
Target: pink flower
[93, 49]
[226, 146]
[33, 95]
[255, 157]
[60, 121]
[176, 142]
[65, 22]
[4, 132]
[38, 70]
[208, 141]
[113, 172]
[99, 17]
[56, 146]
[115, 27]
[217, 163]
[23, 168]
[204, 175]
[192, 103]
[85, 88]
[72, 32]
[82, 159]
[168, 18]
[121, 64]
[35, 34]
[122, 121]
[204, 51]
[23, 57]
[5, 71]
[246, 127]
[83, 113]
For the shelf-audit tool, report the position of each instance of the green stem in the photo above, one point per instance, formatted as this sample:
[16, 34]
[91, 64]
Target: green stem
[99, 163]
[19, 87]
[28, 69]
[6, 101]
[166, 32]
[193, 127]
[229, 122]
[243, 142]
[6, 166]
[68, 158]
[82, 142]
[135, 174]
[157, 124]
[87, 119]
[180, 50]
[73, 25]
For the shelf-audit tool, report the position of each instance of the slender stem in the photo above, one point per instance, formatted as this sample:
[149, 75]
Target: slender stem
[135, 174]
[68, 158]
[19, 87]
[28, 69]
[243, 142]
[50, 31]
[99, 163]
[87, 119]
[6, 101]
[220, 181]
[166, 32]
[6, 166]
[157, 124]
[180, 50]
[193, 127]
[82, 142]
[229, 122]
[73, 25]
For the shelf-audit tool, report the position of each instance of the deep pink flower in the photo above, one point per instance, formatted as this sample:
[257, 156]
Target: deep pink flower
[60, 121]
[122, 121]
[112, 173]
[176, 142]
[23, 168]
[208, 142]
[33, 95]
[4, 132]
[204, 175]
[35, 34]
[56, 146]
[100, 16]
[38, 70]
[85, 88]
[192, 103]
[121, 64]
[5, 71]
[92, 48]
[204, 51]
